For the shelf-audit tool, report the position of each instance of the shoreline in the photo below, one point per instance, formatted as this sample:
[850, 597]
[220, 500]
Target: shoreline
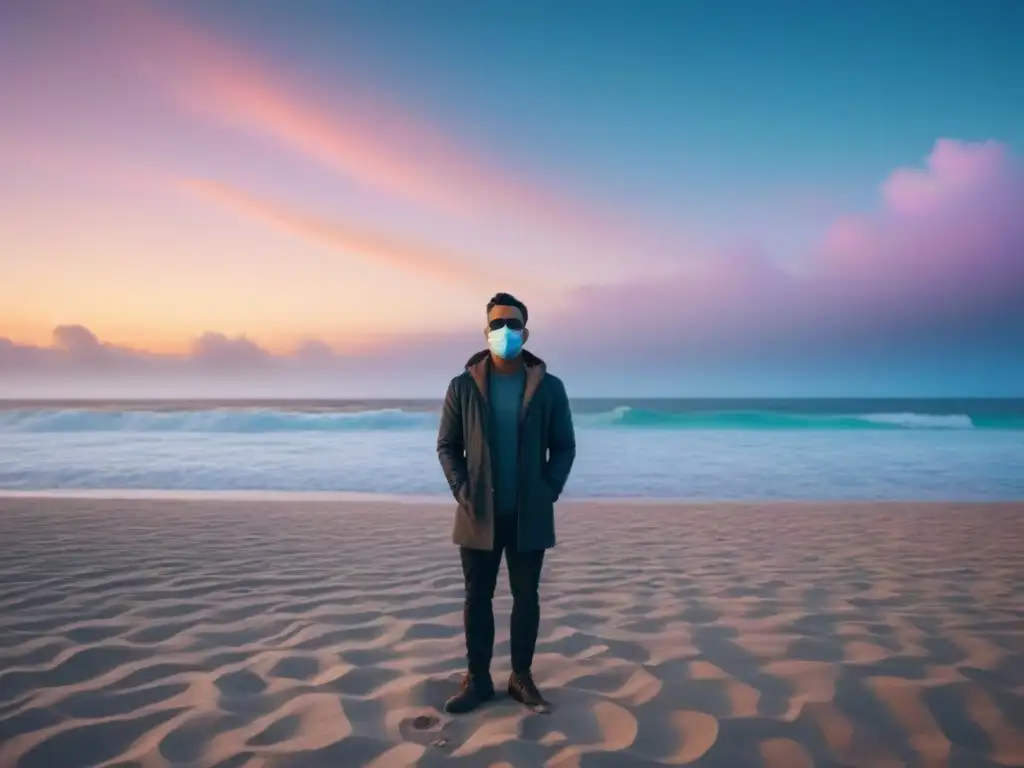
[353, 497]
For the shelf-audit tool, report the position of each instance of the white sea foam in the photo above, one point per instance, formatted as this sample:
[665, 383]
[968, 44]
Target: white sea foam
[921, 420]
[235, 420]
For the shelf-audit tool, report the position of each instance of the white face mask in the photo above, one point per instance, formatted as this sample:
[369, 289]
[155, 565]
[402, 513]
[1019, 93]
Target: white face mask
[505, 343]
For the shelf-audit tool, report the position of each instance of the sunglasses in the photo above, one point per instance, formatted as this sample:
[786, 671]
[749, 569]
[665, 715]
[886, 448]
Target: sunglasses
[512, 323]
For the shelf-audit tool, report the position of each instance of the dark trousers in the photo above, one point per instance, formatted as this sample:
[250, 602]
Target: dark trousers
[480, 568]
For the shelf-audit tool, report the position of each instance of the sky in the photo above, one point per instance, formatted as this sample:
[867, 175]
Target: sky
[316, 199]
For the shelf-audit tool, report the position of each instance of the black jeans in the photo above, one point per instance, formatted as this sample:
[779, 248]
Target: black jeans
[480, 568]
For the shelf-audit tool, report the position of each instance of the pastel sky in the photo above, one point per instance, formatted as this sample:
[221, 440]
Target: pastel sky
[694, 198]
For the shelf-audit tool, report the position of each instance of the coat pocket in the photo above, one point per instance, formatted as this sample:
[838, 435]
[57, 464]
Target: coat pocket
[467, 499]
[461, 493]
[549, 492]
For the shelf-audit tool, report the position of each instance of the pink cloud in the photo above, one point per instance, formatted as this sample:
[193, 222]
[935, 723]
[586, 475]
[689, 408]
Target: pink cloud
[948, 241]
[945, 248]
[366, 139]
[955, 173]
[160, 87]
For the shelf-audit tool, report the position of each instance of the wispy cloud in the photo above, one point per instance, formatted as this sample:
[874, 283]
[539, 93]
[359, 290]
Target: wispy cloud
[345, 236]
[171, 91]
[360, 136]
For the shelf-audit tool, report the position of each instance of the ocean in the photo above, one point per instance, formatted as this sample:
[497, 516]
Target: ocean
[670, 449]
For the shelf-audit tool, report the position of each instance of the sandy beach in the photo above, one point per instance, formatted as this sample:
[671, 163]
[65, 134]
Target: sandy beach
[288, 632]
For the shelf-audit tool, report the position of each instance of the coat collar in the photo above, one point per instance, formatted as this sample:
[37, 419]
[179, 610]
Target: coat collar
[479, 367]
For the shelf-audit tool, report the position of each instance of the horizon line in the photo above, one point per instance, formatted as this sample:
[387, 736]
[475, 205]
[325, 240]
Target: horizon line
[438, 398]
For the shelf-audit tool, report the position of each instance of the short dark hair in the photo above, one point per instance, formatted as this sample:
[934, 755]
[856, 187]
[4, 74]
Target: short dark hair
[507, 300]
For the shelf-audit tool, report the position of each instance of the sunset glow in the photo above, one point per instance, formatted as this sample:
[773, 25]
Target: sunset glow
[334, 184]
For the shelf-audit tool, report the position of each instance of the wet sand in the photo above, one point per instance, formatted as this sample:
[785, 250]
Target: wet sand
[289, 632]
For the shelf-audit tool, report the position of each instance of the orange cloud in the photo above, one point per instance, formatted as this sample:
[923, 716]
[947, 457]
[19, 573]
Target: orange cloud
[347, 237]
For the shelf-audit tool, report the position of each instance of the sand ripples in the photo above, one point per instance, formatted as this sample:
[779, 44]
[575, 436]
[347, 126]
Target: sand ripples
[165, 633]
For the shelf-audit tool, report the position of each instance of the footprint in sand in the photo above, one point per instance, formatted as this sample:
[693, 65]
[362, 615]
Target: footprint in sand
[425, 722]
[427, 730]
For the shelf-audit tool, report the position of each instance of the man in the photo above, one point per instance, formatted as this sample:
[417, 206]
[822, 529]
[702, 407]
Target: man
[506, 445]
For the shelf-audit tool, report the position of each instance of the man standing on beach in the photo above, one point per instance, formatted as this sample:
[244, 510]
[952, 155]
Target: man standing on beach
[506, 445]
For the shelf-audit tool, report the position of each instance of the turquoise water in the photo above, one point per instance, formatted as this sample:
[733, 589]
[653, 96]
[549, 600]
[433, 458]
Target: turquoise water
[351, 415]
[704, 449]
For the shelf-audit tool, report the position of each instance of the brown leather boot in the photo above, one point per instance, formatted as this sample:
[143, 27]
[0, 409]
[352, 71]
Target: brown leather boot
[473, 691]
[522, 688]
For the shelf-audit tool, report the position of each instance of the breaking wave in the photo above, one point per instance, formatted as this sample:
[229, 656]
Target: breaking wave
[269, 420]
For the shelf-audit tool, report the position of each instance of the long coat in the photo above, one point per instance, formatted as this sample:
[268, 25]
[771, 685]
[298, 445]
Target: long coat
[547, 449]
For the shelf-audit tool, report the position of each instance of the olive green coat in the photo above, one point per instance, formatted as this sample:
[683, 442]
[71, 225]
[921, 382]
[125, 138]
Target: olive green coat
[547, 449]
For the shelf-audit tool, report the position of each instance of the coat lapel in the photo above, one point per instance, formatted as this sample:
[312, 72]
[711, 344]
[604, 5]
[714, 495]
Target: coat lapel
[479, 366]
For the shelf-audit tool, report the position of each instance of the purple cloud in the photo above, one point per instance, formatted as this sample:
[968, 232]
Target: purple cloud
[78, 364]
[943, 253]
[218, 352]
[76, 339]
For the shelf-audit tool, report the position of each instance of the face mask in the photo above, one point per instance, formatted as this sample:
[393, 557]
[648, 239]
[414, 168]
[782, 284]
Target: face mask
[505, 343]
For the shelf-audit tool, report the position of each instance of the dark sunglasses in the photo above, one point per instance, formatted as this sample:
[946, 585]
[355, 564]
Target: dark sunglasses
[512, 323]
